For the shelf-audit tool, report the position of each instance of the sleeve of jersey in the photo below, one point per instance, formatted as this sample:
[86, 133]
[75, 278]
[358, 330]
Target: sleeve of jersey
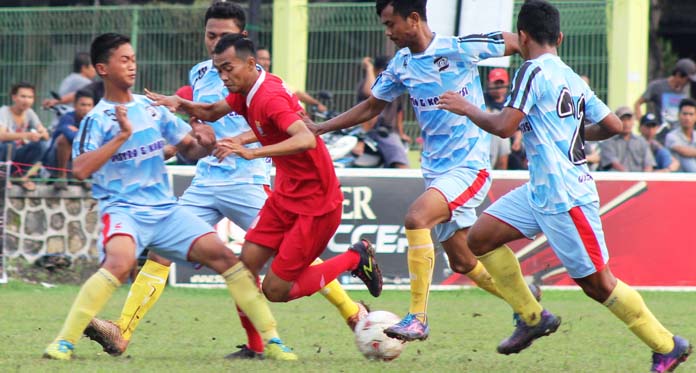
[524, 88]
[388, 86]
[280, 112]
[173, 128]
[595, 109]
[479, 47]
[89, 137]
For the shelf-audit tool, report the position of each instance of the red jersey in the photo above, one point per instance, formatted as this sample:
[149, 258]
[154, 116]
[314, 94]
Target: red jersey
[305, 182]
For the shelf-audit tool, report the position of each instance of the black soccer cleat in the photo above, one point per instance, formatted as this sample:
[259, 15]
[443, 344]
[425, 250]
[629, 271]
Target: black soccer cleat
[368, 270]
[244, 353]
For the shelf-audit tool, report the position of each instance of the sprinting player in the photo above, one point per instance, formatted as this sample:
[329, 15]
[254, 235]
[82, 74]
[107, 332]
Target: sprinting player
[549, 102]
[120, 143]
[455, 158]
[234, 188]
[304, 210]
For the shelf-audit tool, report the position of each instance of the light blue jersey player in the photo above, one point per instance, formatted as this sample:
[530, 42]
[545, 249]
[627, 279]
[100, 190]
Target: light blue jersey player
[455, 158]
[549, 103]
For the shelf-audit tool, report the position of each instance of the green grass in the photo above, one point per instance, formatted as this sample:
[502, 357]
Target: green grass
[191, 330]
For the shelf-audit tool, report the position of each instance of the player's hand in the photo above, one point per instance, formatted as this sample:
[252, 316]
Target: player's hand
[204, 134]
[170, 102]
[123, 121]
[315, 128]
[454, 102]
[232, 145]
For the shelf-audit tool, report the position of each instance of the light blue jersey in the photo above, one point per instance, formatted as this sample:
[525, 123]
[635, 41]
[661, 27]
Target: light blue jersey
[136, 174]
[555, 101]
[209, 88]
[448, 64]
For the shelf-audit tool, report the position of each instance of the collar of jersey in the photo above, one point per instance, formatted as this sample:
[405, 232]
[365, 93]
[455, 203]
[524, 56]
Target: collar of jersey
[255, 87]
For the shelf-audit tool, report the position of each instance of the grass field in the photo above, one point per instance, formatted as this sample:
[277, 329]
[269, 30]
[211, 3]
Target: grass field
[191, 330]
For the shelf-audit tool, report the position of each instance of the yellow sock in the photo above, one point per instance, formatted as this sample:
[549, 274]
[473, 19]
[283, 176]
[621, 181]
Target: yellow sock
[334, 293]
[483, 279]
[93, 295]
[242, 286]
[628, 305]
[503, 266]
[421, 261]
[144, 293]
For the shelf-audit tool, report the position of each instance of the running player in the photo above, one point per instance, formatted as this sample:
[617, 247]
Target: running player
[549, 103]
[234, 188]
[302, 214]
[121, 145]
[455, 158]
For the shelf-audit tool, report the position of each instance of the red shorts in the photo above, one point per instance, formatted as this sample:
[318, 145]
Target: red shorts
[297, 239]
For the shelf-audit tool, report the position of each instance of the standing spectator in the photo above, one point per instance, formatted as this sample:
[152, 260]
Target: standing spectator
[498, 84]
[22, 135]
[682, 141]
[82, 75]
[626, 151]
[664, 161]
[64, 134]
[663, 95]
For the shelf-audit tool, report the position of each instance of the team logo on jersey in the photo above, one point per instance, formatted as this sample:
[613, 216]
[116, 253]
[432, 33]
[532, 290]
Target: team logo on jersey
[200, 74]
[259, 128]
[154, 113]
[442, 63]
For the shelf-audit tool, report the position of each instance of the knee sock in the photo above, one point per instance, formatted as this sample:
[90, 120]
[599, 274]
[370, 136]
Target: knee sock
[245, 292]
[334, 293]
[483, 279]
[318, 276]
[421, 261]
[143, 294]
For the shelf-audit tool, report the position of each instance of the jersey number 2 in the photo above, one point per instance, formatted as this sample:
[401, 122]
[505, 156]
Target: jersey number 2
[565, 107]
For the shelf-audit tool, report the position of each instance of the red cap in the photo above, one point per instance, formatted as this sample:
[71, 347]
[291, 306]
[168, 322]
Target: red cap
[185, 92]
[498, 74]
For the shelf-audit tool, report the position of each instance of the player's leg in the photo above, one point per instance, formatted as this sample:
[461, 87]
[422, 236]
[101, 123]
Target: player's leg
[463, 261]
[590, 271]
[120, 251]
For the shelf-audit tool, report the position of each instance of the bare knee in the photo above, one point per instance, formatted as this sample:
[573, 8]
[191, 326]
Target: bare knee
[158, 259]
[478, 243]
[274, 292]
[462, 266]
[119, 267]
[416, 219]
[598, 286]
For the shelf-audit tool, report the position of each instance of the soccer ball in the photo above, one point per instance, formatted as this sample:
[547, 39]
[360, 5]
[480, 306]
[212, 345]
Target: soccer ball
[371, 340]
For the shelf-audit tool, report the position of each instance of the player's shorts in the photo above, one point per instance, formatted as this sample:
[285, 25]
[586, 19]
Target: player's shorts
[576, 236]
[169, 231]
[240, 203]
[297, 239]
[464, 190]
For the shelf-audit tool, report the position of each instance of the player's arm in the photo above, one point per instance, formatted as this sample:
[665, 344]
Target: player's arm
[503, 123]
[301, 139]
[604, 129]
[209, 112]
[358, 114]
[636, 107]
[85, 164]
[512, 44]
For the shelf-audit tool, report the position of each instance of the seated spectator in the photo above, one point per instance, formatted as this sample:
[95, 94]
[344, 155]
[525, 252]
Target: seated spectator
[22, 135]
[626, 151]
[682, 141]
[82, 75]
[664, 161]
[64, 134]
[498, 82]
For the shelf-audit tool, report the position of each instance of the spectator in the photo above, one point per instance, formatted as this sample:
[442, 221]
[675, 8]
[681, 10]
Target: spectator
[498, 84]
[22, 135]
[664, 161]
[626, 151]
[388, 128]
[663, 95]
[682, 141]
[82, 75]
[63, 135]
[263, 57]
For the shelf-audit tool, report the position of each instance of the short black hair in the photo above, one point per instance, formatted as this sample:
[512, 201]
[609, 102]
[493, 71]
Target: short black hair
[104, 44]
[226, 10]
[687, 102]
[404, 8]
[381, 62]
[16, 87]
[243, 47]
[83, 93]
[541, 21]
[81, 59]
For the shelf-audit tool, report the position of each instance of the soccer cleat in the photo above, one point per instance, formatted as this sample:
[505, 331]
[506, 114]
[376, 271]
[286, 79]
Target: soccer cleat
[276, 350]
[59, 350]
[524, 335]
[244, 353]
[409, 329]
[670, 361]
[108, 335]
[353, 320]
[368, 270]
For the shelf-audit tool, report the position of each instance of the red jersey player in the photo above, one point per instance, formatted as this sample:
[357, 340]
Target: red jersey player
[304, 211]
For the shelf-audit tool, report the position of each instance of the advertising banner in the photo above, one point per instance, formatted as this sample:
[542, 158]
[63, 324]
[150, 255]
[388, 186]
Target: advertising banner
[647, 221]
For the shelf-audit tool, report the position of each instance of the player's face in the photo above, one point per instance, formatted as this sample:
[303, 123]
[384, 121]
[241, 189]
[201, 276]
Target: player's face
[627, 124]
[687, 116]
[24, 98]
[263, 58]
[238, 74]
[121, 67]
[83, 106]
[216, 28]
[400, 30]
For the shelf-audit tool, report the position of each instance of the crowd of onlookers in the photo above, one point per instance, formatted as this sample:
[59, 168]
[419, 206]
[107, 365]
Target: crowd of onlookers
[664, 139]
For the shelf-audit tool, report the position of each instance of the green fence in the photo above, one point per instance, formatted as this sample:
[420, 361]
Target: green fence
[38, 44]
